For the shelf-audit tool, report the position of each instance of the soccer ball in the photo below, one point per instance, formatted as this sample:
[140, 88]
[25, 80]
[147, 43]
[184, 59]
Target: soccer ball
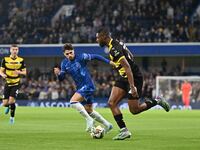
[97, 132]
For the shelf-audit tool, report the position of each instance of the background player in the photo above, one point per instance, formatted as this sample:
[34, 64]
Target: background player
[12, 68]
[186, 89]
[75, 65]
[129, 84]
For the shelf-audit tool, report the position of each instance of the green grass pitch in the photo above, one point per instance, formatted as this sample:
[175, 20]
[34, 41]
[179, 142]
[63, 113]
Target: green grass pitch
[64, 129]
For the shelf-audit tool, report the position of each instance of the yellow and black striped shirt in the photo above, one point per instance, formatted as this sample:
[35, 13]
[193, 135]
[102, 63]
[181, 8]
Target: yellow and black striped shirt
[118, 51]
[10, 65]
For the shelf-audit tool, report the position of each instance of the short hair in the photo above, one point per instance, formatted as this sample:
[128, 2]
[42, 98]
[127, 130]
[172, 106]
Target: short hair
[104, 31]
[14, 45]
[67, 46]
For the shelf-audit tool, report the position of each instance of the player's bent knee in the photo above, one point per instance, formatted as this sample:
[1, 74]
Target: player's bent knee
[111, 104]
[5, 103]
[88, 108]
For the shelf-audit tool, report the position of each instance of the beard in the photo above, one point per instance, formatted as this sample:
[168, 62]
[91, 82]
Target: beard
[102, 44]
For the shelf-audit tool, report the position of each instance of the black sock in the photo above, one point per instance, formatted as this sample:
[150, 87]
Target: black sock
[150, 103]
[12, 110]
[119, 120]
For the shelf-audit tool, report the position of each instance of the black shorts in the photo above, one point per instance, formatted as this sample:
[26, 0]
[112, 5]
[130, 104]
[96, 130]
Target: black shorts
[10, 91]
[138, 81]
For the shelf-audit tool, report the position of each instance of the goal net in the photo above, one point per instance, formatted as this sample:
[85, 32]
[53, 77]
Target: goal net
[171, 87]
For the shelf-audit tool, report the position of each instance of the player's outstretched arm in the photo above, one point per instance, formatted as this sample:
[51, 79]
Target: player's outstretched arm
[95, 56]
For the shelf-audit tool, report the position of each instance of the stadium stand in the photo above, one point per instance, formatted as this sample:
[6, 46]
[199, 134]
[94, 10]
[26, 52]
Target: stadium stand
[29, 21]
[44, 86]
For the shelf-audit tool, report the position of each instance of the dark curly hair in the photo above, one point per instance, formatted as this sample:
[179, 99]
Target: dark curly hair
[68, 46]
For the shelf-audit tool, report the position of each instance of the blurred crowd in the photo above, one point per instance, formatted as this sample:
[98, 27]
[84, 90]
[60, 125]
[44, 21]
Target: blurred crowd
[30, 21]
[42, 86]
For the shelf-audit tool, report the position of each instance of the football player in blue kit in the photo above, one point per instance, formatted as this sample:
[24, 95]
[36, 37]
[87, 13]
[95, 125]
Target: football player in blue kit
[76, 66]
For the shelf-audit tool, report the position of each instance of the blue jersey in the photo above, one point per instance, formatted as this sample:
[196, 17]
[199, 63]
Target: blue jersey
[77, 68]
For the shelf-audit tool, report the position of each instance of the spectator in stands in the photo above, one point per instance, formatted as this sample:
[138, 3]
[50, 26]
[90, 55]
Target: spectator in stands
[143, 21]
[43, 95]
[54, 95]
[103, 81]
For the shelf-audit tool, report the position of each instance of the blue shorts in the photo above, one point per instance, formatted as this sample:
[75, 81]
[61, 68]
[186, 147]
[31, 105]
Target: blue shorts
[88, 95]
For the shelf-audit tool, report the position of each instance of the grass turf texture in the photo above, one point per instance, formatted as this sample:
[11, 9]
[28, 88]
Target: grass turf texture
[63, 128]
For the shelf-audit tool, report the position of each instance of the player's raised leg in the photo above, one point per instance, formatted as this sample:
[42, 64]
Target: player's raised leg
[135, 107]
[7, 109]
[5, 104]
[163, 103]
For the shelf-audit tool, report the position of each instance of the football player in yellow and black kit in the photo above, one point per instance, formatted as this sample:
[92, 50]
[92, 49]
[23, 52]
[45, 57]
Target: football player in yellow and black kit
[129, 84]
[12, 68]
